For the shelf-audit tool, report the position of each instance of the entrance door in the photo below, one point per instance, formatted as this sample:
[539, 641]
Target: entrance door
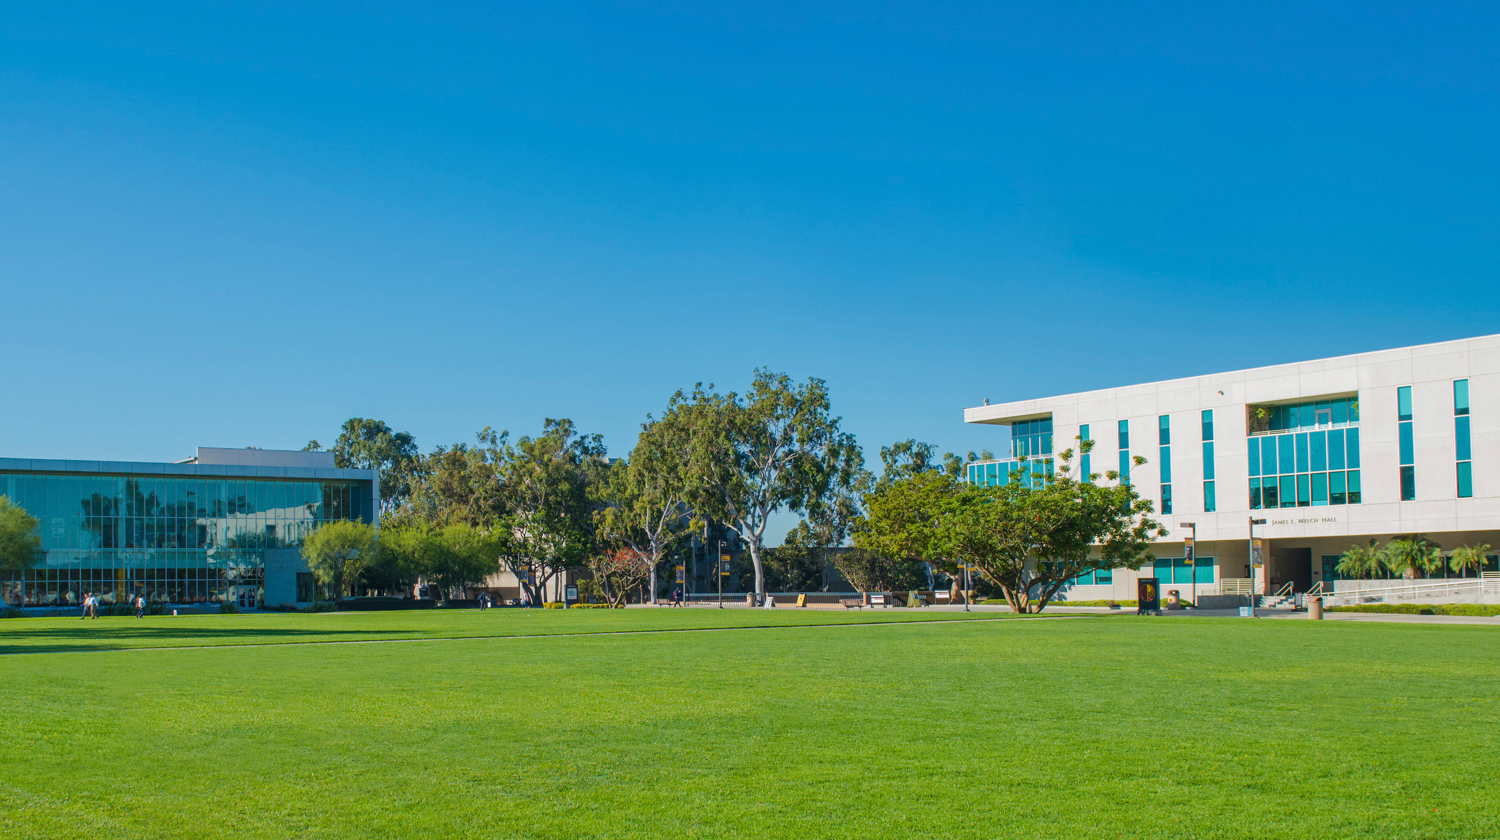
[245, 597]
[1292, 564]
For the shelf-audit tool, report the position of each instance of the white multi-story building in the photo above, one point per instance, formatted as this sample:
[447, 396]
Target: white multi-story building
[1329, 453]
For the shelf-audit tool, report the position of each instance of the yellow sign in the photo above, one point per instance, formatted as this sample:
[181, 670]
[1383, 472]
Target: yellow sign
[802, 600]
[1257, 553]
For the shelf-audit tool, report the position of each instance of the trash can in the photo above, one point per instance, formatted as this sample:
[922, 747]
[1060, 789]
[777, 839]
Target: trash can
[1315, 608]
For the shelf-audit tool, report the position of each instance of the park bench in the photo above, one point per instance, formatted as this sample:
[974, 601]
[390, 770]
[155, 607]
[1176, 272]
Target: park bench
[852, 603]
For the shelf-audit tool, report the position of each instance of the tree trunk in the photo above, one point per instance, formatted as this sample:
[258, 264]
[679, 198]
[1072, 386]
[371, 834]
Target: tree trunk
[760, 575]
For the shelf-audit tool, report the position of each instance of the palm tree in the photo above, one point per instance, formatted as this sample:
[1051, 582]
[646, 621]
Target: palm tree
[1359, 561]
[1412, 554]
[1469, 557]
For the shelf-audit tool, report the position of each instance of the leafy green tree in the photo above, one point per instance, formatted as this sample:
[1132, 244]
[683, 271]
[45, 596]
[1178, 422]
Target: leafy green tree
[900, 523]
[365, 444]
[551, 487]
[1031, 540]
[618, 572]
[1412, 556]
[1470, 557]
[337, 552]
[645, 499]
[20, 545]
[776, 448]
[462, 556]
[1361, 561]
[462, 484]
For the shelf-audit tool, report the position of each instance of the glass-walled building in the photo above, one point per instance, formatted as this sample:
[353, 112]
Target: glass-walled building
[193, 532]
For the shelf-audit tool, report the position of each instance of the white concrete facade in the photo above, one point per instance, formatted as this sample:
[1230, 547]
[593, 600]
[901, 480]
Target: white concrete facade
[1374, 378]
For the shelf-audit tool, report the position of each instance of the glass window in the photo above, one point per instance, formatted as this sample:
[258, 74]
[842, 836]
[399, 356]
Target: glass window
[1104, 576]
[1340, 410]
[1461, 432]
[1354, 487]
[1351, 448]
[1270, 497]
[1403, 402]
[1208, 460]
[1210, 504]
[1255, 494]
[1124, 434]
[1166, 464]
[1166, 498]
[1336, 449]
[1319, 489]
[1318, 446]
[1285, 462]
[1336, 489]
[1161, 568]
[1288, 491]
[1267, 455]
[1304, 497]
[1461, 396]
[1204, 571]
[1164, 430]
[1124, 466]
[1407, 448]
[1466, 480]
[1208, 424]
[1254, 457]
[1408, 484]
[1302, 452]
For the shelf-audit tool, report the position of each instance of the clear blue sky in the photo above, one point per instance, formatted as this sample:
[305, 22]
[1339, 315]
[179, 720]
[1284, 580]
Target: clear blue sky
[233, 225]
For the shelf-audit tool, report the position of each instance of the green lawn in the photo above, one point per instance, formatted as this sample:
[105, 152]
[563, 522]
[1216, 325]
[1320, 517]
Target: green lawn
[1107, 726]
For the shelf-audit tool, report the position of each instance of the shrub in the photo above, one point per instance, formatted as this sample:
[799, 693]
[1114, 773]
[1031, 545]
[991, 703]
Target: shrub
[1480, 610]
[324, 606]
[229, 608]
[12, 612]
[553, 605]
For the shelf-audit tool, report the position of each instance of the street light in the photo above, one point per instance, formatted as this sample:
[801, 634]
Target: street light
[719, 562]
[1253, 564]
[1190, 554]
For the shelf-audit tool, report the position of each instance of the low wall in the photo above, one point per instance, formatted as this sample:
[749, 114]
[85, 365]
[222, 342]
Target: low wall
[1222, 602]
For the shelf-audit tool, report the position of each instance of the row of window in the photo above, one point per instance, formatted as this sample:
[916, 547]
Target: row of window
[1031, 438]
[999, 473]
[1306, 490]
[1173, 570]
[48, 495]
[1269, 419]
[67, 586]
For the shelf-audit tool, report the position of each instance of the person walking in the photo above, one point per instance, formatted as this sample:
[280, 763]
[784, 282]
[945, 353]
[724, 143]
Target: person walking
[140, 606]
[84, 611]
[676, 596]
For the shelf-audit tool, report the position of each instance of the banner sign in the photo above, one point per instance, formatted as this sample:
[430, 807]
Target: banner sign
[1257, 553]
[724, 565]
[1187, 551]
[681, 573]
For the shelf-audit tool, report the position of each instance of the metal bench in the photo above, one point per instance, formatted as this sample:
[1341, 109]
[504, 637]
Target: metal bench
[852, 603]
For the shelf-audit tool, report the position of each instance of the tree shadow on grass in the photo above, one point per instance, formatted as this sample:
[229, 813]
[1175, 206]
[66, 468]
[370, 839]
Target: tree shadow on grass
[94, 638]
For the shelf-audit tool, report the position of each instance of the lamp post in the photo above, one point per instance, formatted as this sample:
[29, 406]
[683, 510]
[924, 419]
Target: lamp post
[719, 562]
[968, 582]
[1190, 554]
[1253, 564]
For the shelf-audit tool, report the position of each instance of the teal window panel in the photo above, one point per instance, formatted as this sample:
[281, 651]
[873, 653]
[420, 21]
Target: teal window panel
[1461, 396]
[1210, 503]
[1465, 480]
[1255, 494]
[1304, 496]
[1208, 460]
[1336, 449]
[1408, 484]
[1340, 410]
[1407, 448]
[1337, 489]
[1461, 434]
[1267, 455]
[1208, 424]
[1319, 489]
[1317, 443]
[1302, 452]
[1124, 426]
[1124, 466]
[1254, 456]
[1285, 461]
[1288, 491]
[1204, 572]
[1351, 447]
[1104, 576]
[1165, 454]
[1403, 402]
[1161, 569]
[1164, 430]
[1166, 498]
[1354, 492]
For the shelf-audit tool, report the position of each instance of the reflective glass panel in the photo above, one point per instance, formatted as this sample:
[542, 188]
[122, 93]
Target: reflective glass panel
[1461, 396]
[1466, 480]
[1319, 489]
[1336, 488]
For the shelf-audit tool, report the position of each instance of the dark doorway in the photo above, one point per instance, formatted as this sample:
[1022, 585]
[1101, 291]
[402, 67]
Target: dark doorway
[1292, 564]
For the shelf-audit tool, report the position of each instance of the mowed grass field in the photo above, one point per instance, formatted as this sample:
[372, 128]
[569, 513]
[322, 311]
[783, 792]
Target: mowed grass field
[1094, 726]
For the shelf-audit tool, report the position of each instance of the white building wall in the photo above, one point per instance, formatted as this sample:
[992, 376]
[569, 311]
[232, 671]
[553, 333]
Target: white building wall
[1430, 370]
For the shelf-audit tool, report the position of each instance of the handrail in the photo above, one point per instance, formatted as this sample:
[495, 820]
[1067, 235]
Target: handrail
[1315, 591]
[1285, 590]
[1451, 586]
